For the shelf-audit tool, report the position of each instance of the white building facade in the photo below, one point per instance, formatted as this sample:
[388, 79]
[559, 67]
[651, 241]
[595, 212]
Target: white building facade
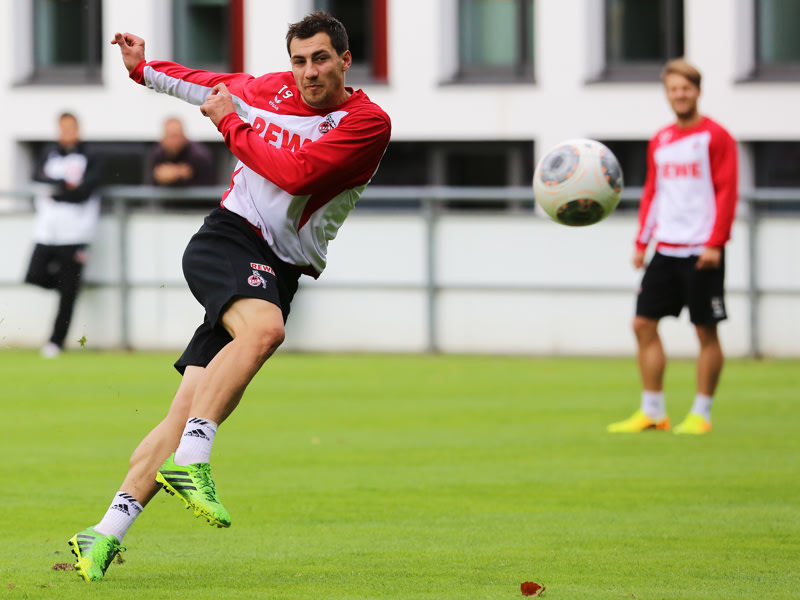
[477, 90]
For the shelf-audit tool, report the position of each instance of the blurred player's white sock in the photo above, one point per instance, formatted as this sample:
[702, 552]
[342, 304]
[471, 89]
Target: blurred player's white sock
[653, 405]
[120, 516]
[702, 406]
[195, 446]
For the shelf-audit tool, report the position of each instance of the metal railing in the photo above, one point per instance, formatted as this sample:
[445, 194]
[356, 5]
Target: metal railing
[431, 202]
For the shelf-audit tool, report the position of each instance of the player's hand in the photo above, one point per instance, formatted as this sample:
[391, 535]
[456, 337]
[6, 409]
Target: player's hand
[638, 259]
[218, 104]
[132, 48]
[709, 258]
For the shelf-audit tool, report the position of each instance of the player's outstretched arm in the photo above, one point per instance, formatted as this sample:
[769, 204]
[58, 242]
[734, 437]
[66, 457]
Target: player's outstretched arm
[218, 104]
[132, 49]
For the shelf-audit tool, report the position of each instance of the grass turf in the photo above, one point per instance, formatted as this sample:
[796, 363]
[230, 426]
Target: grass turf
[411, 477]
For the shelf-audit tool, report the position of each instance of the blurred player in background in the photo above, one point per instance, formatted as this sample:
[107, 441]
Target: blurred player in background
[67, 212]
[178, 161]
[306, 152]
[687, 207]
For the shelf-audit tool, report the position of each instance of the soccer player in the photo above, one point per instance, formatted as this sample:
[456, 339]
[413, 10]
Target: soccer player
[687, 207]
[65, 222]
[307, 147]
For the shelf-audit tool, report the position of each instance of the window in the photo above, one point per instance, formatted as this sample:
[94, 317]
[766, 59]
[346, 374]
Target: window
[366, 24]
[776, 167]
[405, 163]
[495, 40]
[458, 164]
[640, 36]
[208, 34]
[67, 45]
[776, 164]
[632, 157]
[777, 42]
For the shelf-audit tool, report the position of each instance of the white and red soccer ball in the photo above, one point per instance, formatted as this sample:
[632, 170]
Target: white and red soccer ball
[578, 182]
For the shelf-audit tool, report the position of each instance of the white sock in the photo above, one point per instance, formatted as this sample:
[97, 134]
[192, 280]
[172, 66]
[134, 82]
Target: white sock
[654, 405]
[120, 516]
[195, 446]
[702, 406]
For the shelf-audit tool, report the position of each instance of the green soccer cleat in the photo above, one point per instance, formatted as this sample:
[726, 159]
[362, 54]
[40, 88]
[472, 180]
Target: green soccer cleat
[94, 552]
[693, 424]
[638, 422]
[193, 484]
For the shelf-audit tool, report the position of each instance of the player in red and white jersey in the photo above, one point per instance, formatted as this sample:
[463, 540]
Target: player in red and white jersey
[298, 199]
[307, 146]
[687, 209]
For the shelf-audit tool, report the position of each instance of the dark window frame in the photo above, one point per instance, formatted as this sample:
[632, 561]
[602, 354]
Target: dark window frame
[522, 71]
[89, 71]
[765, 71]
[774, 163]
[184, 37]
[621, 70]
[125, 162]
[373, 68]
[436, 163]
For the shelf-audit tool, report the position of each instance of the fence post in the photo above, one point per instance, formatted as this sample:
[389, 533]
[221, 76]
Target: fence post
[753, 293]
[122, 214]
[429, 214]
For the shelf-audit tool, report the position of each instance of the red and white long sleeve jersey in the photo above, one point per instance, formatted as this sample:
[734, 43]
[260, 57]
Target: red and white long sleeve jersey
[690, 193]
[300, 170]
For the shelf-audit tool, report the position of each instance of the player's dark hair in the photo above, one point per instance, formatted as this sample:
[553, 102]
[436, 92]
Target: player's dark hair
[319, 22]
[68, 115]
[682, 67]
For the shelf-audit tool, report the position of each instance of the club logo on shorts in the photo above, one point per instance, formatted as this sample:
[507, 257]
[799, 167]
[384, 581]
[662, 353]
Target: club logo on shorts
[256, 279]
[717, 307]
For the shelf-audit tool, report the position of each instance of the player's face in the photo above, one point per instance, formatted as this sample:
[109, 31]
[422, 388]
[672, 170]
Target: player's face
[682, 95]
[319, 71]
[68, 132]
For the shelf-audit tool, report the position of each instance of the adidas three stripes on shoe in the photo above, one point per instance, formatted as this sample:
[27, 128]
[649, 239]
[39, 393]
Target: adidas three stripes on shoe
[94, 552]
[194, 486]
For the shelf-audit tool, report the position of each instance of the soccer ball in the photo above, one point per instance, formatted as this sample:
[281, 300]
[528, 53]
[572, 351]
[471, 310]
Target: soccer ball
[578, 182]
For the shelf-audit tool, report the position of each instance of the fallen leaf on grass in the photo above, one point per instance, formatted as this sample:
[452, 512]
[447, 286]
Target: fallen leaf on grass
[63, 567]
[531, 588]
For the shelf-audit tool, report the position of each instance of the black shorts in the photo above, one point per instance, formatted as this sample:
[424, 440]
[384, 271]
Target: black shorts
[227, 259]
[56, 267]
[670, 283]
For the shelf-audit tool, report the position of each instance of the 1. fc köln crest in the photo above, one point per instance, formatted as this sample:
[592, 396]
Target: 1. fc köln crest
[256, 280]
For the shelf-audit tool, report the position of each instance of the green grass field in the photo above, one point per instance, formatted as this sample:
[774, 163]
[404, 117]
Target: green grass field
[411, 477]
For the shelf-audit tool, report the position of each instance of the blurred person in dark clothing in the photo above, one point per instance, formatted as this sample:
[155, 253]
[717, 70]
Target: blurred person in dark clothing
[178, 161]
[67, 213]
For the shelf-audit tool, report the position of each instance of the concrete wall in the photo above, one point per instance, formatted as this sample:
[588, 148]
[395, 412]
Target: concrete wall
[505, 284]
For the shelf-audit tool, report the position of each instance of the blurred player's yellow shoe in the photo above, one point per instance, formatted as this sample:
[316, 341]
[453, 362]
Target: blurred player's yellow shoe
[693, 424]
[638, 422]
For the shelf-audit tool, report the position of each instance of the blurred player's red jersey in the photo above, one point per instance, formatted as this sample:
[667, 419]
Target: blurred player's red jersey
[689, 198]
